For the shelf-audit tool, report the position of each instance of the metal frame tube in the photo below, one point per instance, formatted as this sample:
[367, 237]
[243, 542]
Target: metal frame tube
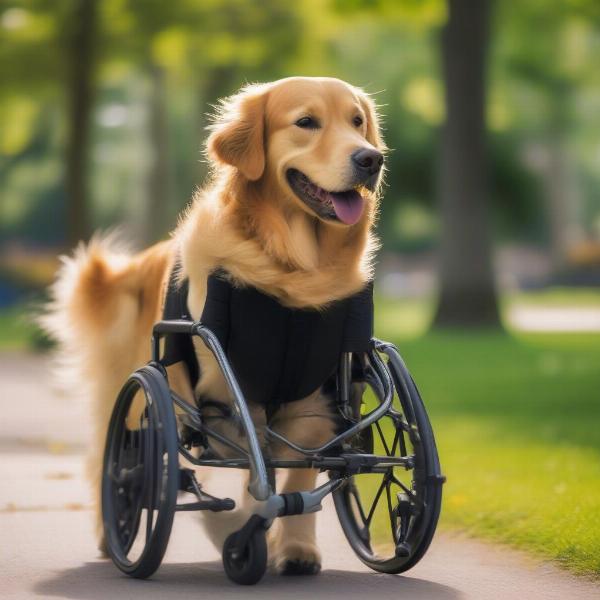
[382, 384]
[259, 482]
[387, 387]
[344, 382]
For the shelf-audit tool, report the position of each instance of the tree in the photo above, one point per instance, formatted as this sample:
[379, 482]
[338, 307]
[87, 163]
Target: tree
[212, 48]
[50, 43]
[79, 52]
[558, 70]
[466, 278]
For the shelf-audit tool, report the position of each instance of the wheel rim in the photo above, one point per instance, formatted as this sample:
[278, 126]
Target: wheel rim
[389, 517]
[385, 507]
[139, 490]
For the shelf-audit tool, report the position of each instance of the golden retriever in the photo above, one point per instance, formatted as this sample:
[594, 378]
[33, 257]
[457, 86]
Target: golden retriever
[289, 210]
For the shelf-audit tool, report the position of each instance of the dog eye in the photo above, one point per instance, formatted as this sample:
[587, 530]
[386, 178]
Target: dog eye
[357, 121]
[307, 123]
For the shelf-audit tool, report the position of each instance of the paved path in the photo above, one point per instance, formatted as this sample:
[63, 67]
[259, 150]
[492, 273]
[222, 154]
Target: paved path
[562, 319]
[47, 548]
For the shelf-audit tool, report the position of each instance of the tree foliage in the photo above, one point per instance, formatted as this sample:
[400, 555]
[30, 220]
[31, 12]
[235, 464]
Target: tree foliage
[541, 85]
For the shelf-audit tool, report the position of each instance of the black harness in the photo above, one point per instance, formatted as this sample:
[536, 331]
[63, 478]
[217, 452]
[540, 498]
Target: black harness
[278, 354]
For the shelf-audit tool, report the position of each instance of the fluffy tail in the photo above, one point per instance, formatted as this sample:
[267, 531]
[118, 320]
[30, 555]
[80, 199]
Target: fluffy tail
[91, 312]
[103, 304]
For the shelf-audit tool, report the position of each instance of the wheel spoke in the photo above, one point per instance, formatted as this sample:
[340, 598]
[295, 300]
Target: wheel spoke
[391, 513]
[407, 490]
[375, 501]
[385, 446]
[354, 492]
[395, 442]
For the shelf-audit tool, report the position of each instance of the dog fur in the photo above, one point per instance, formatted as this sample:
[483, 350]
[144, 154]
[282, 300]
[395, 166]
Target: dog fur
[248, 221]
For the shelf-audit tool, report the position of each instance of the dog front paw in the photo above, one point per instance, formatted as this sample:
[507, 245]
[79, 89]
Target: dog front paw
[298, 559]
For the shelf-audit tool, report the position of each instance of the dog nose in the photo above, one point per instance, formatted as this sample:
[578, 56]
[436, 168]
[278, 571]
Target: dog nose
[367, 162]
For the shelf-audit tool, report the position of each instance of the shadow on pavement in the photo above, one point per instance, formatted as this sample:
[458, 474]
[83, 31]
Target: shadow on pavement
[95, 580]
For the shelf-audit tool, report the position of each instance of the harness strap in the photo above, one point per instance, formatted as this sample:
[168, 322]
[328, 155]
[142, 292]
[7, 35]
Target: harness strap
[279, 354]
[179, 347]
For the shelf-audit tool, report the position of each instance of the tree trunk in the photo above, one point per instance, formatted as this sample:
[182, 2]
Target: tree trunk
[80, 60]
[158, 177]
[467, 290]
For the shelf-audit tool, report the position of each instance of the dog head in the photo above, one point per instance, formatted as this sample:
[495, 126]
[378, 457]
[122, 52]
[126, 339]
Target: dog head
[316, 139]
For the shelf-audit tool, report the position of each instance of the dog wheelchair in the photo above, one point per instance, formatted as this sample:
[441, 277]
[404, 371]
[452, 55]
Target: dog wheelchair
[384, 471]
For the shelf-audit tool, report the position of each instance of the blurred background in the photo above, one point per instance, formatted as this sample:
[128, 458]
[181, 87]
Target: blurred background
[490, 270]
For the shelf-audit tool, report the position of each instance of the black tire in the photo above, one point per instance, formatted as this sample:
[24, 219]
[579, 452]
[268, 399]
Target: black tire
[249, 567]
[422, 513]
[141, 473]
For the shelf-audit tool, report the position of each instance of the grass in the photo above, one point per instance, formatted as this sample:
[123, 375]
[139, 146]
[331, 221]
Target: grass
[409, 318]
[17, 331]
[517, 421]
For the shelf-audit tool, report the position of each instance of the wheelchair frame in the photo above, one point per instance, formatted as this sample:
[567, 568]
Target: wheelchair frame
[244, 553]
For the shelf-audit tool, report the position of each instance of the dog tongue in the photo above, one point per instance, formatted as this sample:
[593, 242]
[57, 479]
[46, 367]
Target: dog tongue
[348, 206]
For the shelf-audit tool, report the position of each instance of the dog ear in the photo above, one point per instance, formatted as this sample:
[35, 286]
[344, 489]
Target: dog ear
[237, 134]
[373, 136]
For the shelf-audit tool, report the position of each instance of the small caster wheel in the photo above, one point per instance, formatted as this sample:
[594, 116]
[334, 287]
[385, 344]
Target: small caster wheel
[248, 565]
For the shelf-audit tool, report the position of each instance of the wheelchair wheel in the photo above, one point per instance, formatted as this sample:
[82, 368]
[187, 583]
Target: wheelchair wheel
[389, 517]
[140, 476]
[248, 566]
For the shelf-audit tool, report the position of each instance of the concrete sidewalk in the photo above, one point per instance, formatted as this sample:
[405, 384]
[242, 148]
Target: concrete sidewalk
[47, 546]
[555, 319]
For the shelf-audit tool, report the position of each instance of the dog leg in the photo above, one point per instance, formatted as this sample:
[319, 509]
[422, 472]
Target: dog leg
[228, 482]
[293, 545]
[309, 422]
[232, 484]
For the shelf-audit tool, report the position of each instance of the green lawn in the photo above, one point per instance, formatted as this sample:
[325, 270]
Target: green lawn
[17, 331]
[517, 420]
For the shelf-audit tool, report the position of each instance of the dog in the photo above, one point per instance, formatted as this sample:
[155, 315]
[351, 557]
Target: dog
[289, 209]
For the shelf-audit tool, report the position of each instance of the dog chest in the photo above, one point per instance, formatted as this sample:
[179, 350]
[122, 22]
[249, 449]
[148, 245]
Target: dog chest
[278, 354]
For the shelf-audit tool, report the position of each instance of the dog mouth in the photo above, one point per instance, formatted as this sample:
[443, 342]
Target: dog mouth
[346, 207]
